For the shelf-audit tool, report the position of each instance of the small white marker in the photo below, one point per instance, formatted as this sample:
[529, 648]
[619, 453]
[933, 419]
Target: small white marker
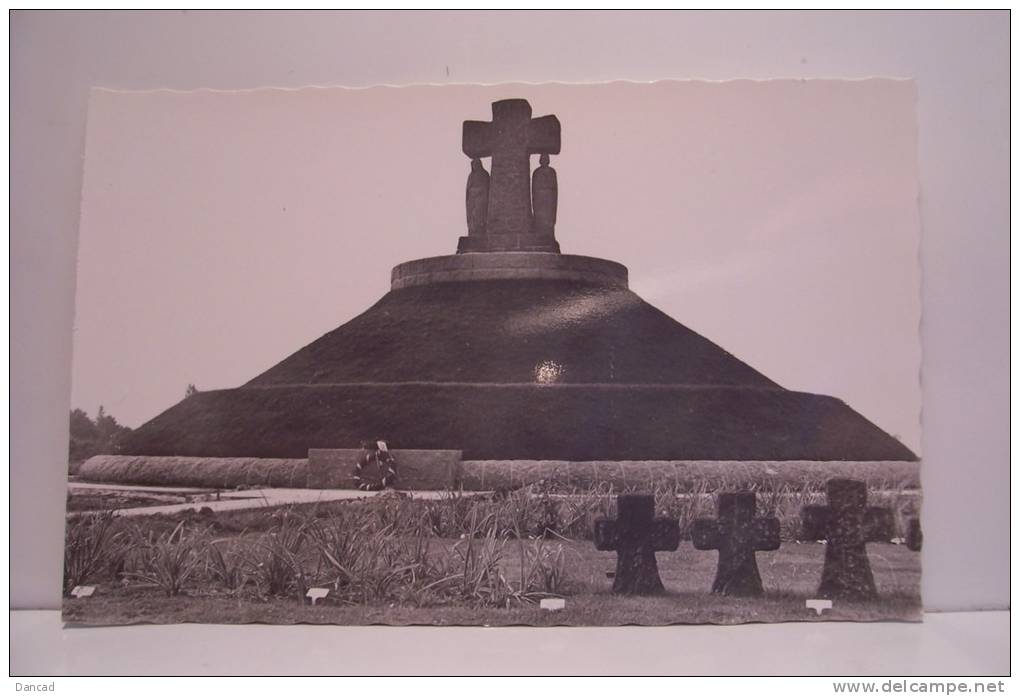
[317, 593]
[553, 603]
[81, 591]
[819, 605]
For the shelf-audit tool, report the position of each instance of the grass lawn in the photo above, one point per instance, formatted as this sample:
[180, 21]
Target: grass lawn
[790, 576]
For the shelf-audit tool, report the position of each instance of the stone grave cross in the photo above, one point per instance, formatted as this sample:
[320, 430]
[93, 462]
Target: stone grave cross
[510, 139]
[737, 534]
[846, 524]
[636, 534]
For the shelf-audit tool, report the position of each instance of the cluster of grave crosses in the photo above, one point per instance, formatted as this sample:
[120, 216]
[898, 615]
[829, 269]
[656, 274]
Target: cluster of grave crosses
[846, 524]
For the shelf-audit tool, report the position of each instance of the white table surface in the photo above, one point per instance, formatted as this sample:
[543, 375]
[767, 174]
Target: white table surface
[963, 643]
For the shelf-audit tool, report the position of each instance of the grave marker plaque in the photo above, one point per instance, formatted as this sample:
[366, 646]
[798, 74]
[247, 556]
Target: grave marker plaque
[82, 591]
[819, 605]
[317, 593]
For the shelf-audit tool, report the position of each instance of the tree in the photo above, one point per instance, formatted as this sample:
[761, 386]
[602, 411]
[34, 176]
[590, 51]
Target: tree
[190, 391]
[83, 436]
[109, 431]
[89, 438]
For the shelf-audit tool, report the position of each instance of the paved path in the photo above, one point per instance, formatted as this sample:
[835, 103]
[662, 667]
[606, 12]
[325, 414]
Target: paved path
[241, 500]
[244, 500]
[85, 485]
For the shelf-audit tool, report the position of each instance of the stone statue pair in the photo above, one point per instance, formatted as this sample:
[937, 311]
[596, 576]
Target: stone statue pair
[543, 199]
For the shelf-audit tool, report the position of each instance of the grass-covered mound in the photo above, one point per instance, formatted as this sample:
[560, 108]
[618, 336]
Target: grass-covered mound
[536, 369]
[575, 423]
[503, 331]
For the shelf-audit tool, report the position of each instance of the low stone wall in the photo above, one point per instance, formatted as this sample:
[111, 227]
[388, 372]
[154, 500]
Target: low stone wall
[199, 472]
[324, 468]
[416, 469]
[493, 474]
[444, 469]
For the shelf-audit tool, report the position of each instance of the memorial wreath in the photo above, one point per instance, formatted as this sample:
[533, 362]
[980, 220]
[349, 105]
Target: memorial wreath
[379, 476]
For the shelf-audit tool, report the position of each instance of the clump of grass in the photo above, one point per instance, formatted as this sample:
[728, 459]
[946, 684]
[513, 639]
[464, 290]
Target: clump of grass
[449, 515]
[275, 560]
[683, 503]
[520, 514]
[227, 565]
[477, 560]
[905, 503]
[340, 543]
[90, 546]
[167, 561]
[368, 562]
[429, 574]
[785, 502]
[384, 568]
[578, 513]
[543, 570]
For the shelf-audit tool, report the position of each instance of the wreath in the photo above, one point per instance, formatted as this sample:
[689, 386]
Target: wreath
[379, 476]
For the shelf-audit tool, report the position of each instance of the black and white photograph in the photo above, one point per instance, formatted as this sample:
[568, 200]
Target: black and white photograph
[515, 354]
[495, 343]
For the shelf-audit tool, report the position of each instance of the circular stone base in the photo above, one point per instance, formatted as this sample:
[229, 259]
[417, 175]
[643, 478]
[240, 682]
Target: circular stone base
[513, 265]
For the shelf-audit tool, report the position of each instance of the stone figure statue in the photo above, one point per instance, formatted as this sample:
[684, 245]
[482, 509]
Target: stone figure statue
[499, 202]
[543, 197]
[477, 198]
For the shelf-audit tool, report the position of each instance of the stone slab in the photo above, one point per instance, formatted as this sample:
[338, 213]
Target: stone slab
[416, 469]
[522, 265]
[508, 242]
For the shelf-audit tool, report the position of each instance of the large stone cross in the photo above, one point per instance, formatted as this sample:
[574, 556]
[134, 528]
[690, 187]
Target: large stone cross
[636, 534]
[510, 139]
[846, 524]
[737, 534]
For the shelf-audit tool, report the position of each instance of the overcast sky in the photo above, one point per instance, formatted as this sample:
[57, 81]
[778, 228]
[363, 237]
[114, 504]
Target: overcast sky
[222, 231]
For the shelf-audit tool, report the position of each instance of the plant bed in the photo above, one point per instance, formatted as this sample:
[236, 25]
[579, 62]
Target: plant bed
[790, 576]
[459, 559]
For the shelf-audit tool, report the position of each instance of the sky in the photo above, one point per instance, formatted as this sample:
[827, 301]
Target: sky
[222, 231]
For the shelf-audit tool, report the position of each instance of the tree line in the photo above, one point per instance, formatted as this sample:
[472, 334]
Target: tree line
[103, 435]
[91, 437]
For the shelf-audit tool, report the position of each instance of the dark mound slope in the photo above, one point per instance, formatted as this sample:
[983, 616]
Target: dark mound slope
[502, 331]
[455, 366]
[519, 422]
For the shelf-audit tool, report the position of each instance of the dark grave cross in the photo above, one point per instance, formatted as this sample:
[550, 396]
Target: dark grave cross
[914, 536]
[737, 534]
[510, 139]
[846, 524]
[636, 534]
